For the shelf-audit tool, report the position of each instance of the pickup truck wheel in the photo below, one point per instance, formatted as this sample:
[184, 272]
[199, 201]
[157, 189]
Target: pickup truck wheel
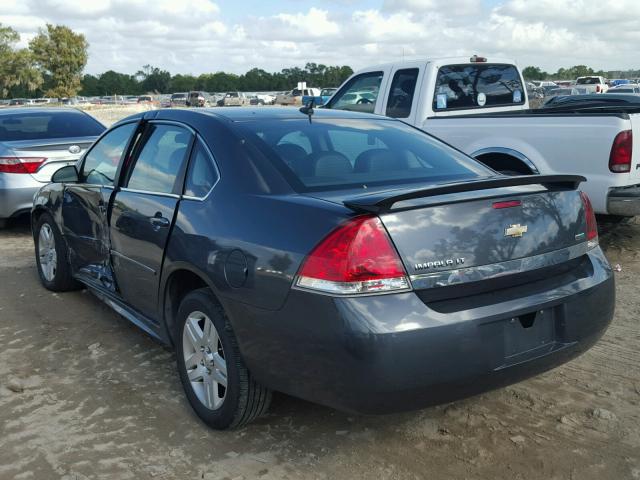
[52, 257]
[217, 383]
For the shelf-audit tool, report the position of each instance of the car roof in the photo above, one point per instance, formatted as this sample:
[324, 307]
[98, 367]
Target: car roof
[9, 111]
[280, 113]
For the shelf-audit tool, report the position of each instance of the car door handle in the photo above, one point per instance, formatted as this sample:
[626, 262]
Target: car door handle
[159, 221]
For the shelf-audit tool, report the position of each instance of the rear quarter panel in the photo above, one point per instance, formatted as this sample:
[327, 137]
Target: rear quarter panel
[578, 144]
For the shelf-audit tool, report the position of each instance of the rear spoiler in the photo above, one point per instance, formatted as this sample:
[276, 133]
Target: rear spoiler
[383, 201]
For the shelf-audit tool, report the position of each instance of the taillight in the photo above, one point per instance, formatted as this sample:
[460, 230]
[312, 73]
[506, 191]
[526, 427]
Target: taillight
[356, 257]
[621, 152]
[20, 164]
[590, 220]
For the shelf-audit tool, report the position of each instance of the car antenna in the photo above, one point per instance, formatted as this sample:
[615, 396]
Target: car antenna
[308, 108]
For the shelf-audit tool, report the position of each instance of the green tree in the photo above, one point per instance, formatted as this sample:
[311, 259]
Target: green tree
[153, 80]
[17, 70]
[534, 73]
[61, 54]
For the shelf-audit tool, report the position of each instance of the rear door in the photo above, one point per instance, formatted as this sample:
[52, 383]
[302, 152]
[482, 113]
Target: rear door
[143, 211]
[84, 212]
[362, 93]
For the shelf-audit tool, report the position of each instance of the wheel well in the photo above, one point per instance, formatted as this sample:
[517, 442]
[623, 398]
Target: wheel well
[35, 216]
[179, 284]
[502, 162]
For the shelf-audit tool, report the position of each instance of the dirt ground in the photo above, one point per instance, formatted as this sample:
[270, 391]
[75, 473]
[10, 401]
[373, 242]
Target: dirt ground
[84, 394]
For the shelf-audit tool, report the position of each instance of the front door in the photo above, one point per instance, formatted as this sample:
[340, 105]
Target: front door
[143, 212]
[84, 211]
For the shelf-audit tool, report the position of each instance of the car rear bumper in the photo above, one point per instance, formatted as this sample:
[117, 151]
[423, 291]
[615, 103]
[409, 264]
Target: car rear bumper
[16, 193]
[390, 353]
[624, 201]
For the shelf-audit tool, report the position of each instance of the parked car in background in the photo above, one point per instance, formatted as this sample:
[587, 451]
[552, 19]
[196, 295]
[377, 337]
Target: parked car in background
[479, 105]
[178, 99]
[546, 84]
[265, 98]
[325, 95]
[619, 81]
[534, 91]
[235, 99]
[294, 97]
[351, 260]
[565, 83]
[74, 101]
[145, 99]
[34, 143]
[563, 91]
[196, 99]
[593, 84]
[17, 102]
[625, 88]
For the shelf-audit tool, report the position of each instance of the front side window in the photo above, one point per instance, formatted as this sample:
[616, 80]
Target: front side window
[101, 162]
[359, 94]
[477, 86]
[160, 160]
[403, 87]
[202, 174]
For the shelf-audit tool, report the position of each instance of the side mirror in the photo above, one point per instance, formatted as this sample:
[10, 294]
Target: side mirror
[67, 174]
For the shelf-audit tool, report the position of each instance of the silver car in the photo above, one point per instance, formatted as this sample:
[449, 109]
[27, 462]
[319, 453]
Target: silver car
[34, 143]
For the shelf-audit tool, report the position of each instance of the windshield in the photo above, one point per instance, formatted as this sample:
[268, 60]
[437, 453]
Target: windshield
[48, 125]
[588, 81]
[232, 95]
[477, 86]
[330, 154]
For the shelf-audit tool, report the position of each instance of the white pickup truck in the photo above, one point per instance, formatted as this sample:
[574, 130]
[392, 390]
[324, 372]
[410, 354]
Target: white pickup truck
[481, 107]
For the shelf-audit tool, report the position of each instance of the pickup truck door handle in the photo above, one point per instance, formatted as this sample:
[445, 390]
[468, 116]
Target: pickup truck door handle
[159, 221]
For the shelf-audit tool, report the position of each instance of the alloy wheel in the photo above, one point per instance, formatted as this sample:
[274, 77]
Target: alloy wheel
[47, 252]
[204, 360]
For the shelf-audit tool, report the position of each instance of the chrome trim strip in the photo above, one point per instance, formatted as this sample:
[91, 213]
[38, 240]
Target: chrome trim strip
[146, 192]
[135, 262]
[444, 278]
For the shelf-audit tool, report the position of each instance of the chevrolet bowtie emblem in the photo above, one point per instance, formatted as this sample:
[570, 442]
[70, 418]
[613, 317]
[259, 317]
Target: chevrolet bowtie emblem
[515, 231]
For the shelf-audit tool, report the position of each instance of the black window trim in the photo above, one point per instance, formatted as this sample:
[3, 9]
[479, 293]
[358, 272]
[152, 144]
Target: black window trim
[212, 160]
[81, 162]
[125, 175]
[478, 107]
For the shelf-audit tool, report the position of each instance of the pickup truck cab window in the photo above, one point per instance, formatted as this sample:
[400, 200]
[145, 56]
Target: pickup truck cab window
[160, 160]
[202, 174]
[477, 86]
[101, 162]
[403, 87]
[359, 94]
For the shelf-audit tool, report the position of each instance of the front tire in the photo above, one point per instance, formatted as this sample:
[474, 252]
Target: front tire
[52, 256]
[216, 381]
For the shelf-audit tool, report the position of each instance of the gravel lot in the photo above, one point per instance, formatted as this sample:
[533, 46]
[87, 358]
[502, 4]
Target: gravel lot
[84, 394]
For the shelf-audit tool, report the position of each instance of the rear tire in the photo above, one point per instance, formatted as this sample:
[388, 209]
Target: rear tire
[215, 379]
[52, 256]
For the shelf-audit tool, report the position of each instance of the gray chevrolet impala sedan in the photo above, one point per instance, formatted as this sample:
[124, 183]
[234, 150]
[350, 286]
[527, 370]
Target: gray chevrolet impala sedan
[344, 258]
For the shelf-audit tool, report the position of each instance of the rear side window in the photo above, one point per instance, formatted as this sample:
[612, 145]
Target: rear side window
[359, 94]
[36, 125]
[202, 174]
[101, 162]
[160, 160]
[350, 153]
[477, 86]
[403, 87]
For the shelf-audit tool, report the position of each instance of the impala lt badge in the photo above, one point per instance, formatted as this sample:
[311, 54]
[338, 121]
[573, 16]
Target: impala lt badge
[515, 231]
[449, 262]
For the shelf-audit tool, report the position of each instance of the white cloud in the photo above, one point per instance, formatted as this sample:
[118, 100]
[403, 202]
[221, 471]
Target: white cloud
[195, 36]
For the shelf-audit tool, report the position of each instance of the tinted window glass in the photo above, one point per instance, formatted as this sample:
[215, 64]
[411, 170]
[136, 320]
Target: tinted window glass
[477, 86]
[160, 160]
[37, 125]
[403, 87]
[100, 164]
[202, 175]
[360, 94]
[349, 153]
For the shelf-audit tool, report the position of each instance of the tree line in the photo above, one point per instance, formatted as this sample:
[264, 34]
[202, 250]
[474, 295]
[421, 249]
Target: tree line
[571, 73]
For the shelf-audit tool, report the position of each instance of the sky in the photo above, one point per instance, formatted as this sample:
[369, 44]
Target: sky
[198, 36]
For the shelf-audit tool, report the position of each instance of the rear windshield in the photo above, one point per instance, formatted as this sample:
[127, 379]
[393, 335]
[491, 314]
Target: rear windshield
[477, 86]
[588, 81]
[330, 154]
[45, 125]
